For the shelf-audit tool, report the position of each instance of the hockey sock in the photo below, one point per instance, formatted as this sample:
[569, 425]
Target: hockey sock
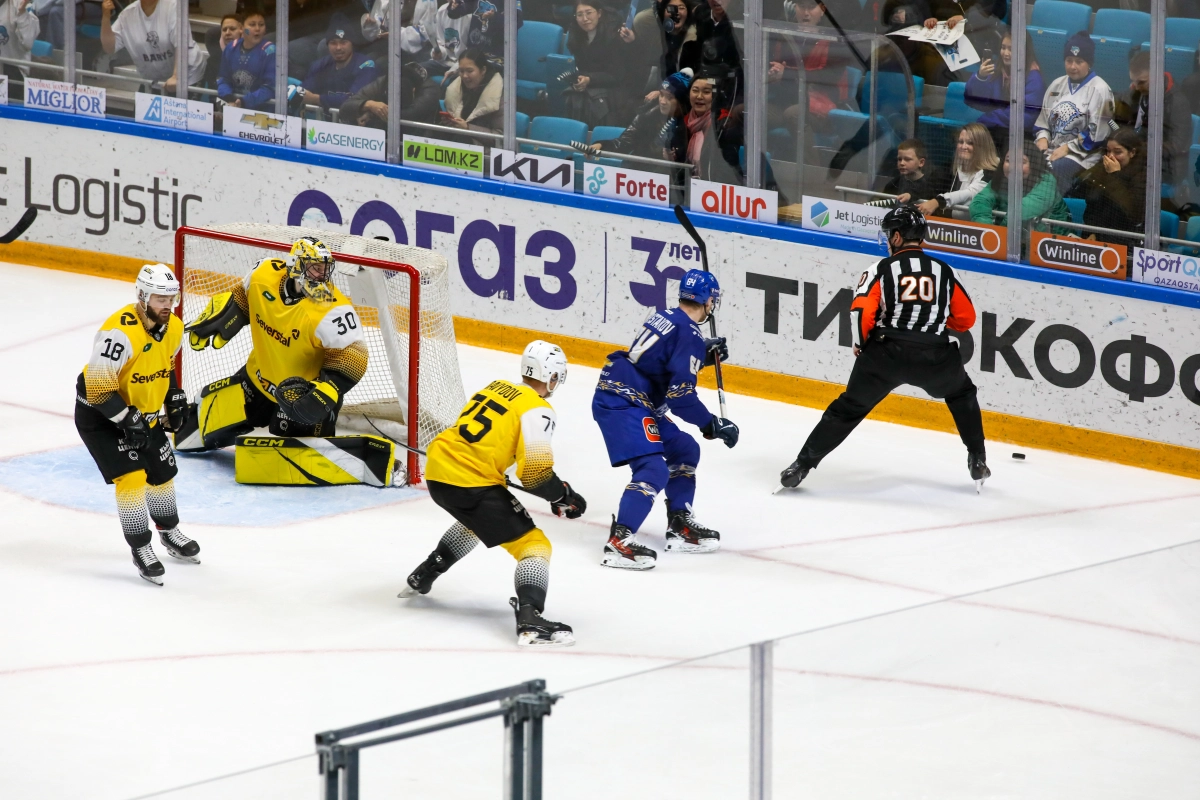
[161, 501]
[681, 486]
[131, 507]
[649, 477]
[455, 544]
[531, 579]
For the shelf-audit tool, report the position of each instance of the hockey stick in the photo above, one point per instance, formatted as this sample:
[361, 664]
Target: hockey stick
[682, 216]
[22, 225]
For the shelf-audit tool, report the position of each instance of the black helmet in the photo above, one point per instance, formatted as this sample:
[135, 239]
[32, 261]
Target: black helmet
[907, 220]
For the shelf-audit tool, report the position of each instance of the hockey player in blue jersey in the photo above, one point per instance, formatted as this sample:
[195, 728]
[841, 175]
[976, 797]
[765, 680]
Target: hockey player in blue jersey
[636, 390]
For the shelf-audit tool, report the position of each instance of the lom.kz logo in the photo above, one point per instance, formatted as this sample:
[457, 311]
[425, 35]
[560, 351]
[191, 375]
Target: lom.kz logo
[819, 215]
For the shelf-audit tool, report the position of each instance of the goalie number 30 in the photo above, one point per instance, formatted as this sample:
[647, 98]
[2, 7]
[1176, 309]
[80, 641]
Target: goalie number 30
[345, 323]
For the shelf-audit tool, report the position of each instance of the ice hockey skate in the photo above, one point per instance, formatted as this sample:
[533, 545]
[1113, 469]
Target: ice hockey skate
[422, 578]
[623, 551]
[791, 477]
[686, 535]
[179, 546]
[147, 563]
[977, 463]
[534, 630]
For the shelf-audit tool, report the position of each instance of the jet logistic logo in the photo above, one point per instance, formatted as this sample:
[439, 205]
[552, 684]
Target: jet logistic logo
[819, 215]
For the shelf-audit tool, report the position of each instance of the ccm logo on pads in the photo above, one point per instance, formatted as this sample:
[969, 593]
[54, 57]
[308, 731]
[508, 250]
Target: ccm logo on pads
[651, 428]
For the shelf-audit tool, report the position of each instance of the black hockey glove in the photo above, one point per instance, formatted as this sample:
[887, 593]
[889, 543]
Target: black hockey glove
[176, 405]
[306, 402]
[133, 426]
[715, 347]
[723, 429]
[571, 504]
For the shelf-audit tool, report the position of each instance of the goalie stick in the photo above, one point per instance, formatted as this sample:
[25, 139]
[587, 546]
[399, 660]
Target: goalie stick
[22, 225]
[682, 216]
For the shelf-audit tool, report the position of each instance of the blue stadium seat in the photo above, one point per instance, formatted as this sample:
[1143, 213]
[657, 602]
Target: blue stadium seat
[854, 77]
[1112, 61]
[893, 94]
[1168, 224]
[1076, 206]
[846, 124]
[555, 129]
[1193, 157]
[1193, 229]
[1048, 44]
[1117, 22]
[88, 31]
[42, 49]
[522, 124]
[956, 105]
[535, 41]
[1183, 32]
[602, 133]
[1070, 17]
[1179, 61]
[1195, 129]
[559, 71]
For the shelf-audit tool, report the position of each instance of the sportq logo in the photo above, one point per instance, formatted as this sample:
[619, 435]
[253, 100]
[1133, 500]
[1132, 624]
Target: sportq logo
[554, 289]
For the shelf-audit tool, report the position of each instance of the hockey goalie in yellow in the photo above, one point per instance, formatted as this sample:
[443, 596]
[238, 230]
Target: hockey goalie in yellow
[308, 352]
[119, 401]
[504, 424]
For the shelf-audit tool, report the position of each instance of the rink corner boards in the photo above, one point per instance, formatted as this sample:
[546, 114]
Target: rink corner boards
[912, 411]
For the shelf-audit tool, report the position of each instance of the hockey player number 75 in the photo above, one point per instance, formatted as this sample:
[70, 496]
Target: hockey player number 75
[479, 409]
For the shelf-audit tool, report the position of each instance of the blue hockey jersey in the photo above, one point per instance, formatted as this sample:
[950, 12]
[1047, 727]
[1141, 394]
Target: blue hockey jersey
[250, 74]
[336, 86]
[659, 370]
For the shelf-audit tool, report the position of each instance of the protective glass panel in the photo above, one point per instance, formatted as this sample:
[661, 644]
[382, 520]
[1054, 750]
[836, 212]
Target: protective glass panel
[33, 48]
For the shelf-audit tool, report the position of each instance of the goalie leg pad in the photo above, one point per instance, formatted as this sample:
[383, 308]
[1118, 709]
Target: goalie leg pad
[314, 461]
[222, 413]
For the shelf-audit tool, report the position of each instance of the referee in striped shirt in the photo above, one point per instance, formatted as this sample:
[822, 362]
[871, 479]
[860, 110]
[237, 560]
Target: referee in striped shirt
[901, 310]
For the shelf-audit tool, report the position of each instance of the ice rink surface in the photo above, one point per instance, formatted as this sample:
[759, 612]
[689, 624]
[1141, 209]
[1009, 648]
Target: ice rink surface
[1082, 685]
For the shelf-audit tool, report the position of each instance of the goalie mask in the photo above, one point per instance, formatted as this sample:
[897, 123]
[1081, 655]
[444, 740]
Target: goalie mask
[310, 264]
[544, 362]
[156, 279]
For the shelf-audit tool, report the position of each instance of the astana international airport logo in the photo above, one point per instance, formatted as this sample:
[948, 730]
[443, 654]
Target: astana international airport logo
[819, 214]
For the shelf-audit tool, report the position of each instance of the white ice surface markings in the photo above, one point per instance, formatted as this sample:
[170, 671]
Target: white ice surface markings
[1083, 685]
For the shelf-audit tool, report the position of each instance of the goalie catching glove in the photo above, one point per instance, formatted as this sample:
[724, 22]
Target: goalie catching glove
[217, 324]
[306, 402]
[571, 504]
[721, 428]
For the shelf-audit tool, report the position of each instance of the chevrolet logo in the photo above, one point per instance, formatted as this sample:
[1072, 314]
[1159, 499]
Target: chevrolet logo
[264, 122]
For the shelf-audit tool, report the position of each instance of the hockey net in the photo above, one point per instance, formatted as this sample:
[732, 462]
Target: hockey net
[412, 390]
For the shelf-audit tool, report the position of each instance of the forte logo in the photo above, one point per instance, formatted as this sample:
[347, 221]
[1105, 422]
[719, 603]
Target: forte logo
[632, 185]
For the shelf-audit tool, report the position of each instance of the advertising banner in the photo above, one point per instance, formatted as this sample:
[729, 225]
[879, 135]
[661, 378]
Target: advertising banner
[971, 238]
[1077, 255]
[461, 159]
[345, 140]
[735, 201]
[835, 216]
[171, 112]
[1166, 269]
[3, 90]
[69, 98]
[603, 180]
[261, 126]
[533, 170]
[1087, 359]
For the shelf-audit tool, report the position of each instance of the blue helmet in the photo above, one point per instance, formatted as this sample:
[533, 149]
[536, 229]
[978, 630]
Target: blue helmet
[698, 285]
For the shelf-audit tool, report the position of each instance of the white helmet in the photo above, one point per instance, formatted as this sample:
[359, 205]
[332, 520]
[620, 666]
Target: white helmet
[156, 279]
[544, 362]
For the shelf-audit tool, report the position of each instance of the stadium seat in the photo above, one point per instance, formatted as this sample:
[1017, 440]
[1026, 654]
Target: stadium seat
[1112, 61]
[555, 129]
[1064, 16]
[1193, 229]
[1183, 32]
[1193, 156]
[42, 49]
[88, 31]
[1179, 61]
[893, 95]
[1076, 206]
[1048, 44]
[854, 77]
[956, 105]
[1168, 224]
[1134, 25]
[522, 124]
[602, 133]
[559, 71]
[1195, 129]
[535, 41]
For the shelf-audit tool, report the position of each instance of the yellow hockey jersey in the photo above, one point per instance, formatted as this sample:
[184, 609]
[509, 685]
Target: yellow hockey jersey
[130, 361]
[503, 424]
[292, 338]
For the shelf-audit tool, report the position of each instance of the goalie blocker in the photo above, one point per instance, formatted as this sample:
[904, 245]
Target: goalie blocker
[315, 461]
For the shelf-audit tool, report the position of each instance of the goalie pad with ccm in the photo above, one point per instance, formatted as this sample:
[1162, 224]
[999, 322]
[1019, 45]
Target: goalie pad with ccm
[314, 460]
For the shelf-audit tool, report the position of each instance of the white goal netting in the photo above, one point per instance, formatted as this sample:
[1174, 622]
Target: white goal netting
[383, 301]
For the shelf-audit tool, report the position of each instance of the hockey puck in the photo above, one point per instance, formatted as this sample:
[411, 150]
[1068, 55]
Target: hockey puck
[1019, 456]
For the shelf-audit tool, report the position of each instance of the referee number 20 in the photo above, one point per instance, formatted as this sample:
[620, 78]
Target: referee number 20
[916, 287]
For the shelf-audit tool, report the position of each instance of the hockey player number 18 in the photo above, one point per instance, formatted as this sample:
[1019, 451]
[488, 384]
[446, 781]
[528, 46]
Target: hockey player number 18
[480, 408]
[923, 286]
[113, 350]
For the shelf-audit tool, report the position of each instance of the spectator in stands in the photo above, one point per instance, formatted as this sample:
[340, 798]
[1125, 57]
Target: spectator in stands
[923, 59]
[474, 95]
[1115, 189]
[915, 179]
[147, 31]
[824, 61]
[1041, 200]
[419, 98]
[597, 94]
[720, 53]
[248, 67]
[987, 90]
[1073, 124]
[307, 22]
[658, 131]
[417, 19]
[1133, 110]
[487, 23]
[981, 17]
[680, 48]
[333, 79]
[974, 162]
[50, 20]
[216, 40]
[714, 135]
[449, 36]
[20, 26]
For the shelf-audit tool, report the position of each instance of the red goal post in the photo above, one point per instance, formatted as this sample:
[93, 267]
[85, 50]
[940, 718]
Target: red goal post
[412, 389]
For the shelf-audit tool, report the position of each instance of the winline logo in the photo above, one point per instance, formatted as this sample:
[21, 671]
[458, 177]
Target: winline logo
[977, 240]
[1078, 255]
